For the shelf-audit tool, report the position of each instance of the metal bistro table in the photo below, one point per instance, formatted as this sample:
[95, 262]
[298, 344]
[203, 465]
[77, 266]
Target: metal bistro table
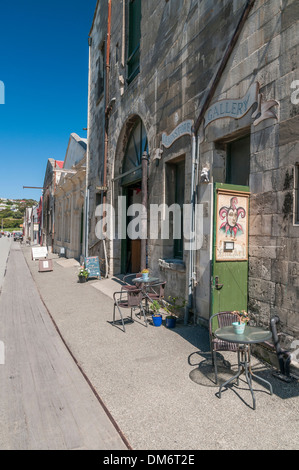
[250, 336]
[144, 283]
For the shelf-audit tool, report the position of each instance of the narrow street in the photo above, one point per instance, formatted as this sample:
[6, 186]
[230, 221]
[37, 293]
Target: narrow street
[72, 380]
[45, 402]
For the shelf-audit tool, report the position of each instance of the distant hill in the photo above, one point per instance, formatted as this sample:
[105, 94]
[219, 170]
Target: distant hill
[12, 212]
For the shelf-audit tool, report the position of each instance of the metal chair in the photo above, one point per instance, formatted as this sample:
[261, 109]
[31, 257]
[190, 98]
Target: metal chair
[127, 278]
[221, 319]
[131, 298]
[156, 292]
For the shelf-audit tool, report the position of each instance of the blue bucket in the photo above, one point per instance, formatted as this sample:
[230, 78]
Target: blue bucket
[170, 322]
[157, 320]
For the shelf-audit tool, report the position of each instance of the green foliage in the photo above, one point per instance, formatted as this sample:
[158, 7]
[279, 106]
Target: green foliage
[155, 307]
[13, 219]
[11, 223]
[83, 272]
[174, 307]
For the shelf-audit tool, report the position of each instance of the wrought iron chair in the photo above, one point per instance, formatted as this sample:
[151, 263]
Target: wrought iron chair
[156, 292]
[127, 279]
[128, 298]
[221, 319]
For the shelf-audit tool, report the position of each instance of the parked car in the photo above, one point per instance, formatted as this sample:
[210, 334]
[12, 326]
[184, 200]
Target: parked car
[18, 236]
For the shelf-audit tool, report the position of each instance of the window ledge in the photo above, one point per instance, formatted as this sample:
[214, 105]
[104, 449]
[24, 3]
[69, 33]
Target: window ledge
[173, 264]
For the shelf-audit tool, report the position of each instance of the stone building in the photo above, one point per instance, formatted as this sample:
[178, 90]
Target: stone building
[69, 200]
[200, 96]
[52, 176]
[27, 223]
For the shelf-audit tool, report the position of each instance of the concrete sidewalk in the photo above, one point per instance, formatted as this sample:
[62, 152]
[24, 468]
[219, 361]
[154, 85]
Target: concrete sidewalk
[5, 244]
[158, 383]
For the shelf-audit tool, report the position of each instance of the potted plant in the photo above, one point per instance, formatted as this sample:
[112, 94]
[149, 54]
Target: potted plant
[239, 326]
[156, 315]
[173, 309]
[83, 274]
[145, 273]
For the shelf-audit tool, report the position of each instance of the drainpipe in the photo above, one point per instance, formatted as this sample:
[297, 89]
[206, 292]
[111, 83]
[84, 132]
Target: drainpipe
[191, 302]
[144, 163]
[86, 202]
[107, 107]
[223, 63]
[247, 9]
[42, 222]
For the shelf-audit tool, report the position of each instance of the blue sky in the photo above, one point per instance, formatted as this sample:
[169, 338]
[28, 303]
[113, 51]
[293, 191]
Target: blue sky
[44, 66]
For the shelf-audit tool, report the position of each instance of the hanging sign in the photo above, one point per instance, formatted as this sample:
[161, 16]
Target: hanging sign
[238, 108]
[232, 226]
[232, 108]
[185, 128]
[92, 264]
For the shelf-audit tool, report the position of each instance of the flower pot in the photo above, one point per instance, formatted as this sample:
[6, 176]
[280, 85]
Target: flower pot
[170, 322]
[145, 276]
[82, 278]
[238, 328]
[157, 320]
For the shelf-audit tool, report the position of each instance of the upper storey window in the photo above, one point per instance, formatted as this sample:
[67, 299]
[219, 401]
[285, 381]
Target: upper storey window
[134, 39]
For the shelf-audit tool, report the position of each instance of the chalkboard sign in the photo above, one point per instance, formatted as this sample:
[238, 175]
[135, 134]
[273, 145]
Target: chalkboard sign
[92, 264]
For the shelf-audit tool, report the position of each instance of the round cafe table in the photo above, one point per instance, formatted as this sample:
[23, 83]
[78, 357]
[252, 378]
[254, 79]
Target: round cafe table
[143, 285]
[251, 335]
[149, 280]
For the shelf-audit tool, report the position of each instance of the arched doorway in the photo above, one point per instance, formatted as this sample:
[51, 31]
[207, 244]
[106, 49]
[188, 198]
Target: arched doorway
[131, 188]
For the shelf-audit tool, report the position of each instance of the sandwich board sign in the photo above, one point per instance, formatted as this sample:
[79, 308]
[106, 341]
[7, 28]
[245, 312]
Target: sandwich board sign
[39, 252]
[92, 264]
[45, 265]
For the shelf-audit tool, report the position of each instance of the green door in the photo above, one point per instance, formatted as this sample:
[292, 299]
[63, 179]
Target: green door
[229, 283]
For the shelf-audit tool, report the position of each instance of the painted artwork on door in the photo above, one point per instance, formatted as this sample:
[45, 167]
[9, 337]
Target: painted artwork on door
[232, 226]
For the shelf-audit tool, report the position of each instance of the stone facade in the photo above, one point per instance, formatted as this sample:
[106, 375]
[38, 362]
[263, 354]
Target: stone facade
[267, 52]
[182, 46]
[69, 200]
[52, 177]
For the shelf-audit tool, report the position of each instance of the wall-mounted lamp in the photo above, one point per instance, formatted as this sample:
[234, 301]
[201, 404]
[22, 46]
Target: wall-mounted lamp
[205, 175]
[157, 156]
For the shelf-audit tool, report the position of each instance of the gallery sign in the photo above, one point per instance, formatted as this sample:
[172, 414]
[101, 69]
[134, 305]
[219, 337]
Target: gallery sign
[185, 128]
[237, 108]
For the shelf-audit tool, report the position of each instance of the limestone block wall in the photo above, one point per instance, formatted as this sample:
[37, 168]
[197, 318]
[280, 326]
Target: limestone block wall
[181, 44]
[267, 52]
